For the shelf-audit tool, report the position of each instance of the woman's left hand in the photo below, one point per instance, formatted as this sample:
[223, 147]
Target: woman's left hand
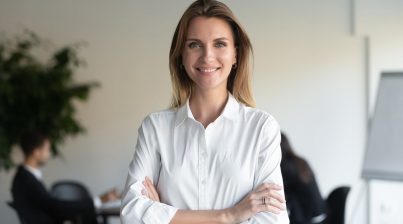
[150, 190]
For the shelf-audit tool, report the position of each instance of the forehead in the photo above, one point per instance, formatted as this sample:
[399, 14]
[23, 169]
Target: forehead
[205, 28]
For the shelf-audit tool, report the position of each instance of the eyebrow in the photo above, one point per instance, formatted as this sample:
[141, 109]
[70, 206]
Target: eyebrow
[217, 39]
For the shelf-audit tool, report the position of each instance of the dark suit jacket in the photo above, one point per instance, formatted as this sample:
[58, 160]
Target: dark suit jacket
[304, 200]
[37, 206]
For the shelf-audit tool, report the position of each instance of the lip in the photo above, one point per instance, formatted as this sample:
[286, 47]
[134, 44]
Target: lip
[207, 69]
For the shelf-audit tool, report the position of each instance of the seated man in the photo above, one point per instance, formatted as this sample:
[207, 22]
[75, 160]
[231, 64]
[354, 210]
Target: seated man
[33, 202]
[304, 201]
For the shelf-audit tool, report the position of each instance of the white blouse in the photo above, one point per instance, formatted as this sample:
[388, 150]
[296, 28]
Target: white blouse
[199, 168]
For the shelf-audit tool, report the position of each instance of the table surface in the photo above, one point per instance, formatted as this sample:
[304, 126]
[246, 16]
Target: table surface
[110, 209]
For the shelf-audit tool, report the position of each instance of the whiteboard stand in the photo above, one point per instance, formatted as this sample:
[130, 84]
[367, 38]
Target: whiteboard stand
[384, 150]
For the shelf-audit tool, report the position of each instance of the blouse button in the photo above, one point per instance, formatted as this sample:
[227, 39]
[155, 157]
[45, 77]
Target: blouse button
[204, 154]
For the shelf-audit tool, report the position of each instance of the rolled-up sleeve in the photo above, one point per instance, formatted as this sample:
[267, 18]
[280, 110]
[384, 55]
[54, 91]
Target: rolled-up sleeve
[268, 169]
[137, 208]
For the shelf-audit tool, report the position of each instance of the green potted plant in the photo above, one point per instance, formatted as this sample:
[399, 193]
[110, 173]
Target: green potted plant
[37, 95]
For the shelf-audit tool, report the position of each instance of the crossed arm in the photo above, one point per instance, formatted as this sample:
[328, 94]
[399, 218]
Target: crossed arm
[263, 199]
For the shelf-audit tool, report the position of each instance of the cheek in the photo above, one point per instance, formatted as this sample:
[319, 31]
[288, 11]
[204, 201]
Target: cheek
[189, 58]
[45, 154]
[228, 56]
[231, 56]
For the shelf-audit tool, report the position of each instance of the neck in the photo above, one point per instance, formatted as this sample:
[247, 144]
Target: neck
[31, 163]
[206, 106]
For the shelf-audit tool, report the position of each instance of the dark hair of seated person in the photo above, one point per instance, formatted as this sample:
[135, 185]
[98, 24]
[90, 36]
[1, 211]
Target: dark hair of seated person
[304, 201]
[31, 140]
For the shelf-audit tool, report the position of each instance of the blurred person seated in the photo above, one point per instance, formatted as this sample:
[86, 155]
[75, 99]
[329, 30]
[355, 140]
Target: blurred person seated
[32, 200]
[305, 204]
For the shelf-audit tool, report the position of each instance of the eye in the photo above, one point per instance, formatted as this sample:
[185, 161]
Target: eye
[220, 44]
[194, 45]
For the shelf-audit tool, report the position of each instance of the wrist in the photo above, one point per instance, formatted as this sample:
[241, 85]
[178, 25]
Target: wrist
[227, 216]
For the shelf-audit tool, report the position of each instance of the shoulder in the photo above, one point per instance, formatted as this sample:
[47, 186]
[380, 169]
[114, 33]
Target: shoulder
[159, 118]
[267, 128]
[22, 172]
[259, 117]
[22, 177]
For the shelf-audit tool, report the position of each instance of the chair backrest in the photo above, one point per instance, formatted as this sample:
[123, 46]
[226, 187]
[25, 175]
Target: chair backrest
[69, 191]
[15, 208]
[336, 203]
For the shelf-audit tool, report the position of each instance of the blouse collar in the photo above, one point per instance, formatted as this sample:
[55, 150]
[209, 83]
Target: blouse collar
[231, 111]
[34, 171]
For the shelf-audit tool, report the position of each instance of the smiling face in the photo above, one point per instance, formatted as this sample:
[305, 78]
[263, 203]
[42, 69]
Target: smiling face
[209, 52]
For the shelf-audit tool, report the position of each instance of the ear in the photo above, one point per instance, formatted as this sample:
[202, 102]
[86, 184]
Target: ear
[235, 55]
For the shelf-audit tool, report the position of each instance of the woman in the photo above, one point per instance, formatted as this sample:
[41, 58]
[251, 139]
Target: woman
[212, 157]
[304, 201]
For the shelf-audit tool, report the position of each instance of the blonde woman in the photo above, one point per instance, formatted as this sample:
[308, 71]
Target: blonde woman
[212, 157]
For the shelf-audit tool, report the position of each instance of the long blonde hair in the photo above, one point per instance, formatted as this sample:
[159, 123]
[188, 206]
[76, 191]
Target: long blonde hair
[239, 80]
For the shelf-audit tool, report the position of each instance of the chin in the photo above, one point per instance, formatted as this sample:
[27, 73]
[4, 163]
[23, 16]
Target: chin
[209, 82]
[42, 163]
[212, 86]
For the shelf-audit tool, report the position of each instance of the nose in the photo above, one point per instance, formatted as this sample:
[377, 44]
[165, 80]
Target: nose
[208, 54]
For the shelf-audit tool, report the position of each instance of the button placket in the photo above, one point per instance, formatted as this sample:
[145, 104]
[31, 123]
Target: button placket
[202, 170]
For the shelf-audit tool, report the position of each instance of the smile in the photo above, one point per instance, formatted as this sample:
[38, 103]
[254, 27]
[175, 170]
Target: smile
[207, 70]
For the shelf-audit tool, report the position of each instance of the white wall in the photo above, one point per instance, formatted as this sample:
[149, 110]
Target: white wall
[309, 73]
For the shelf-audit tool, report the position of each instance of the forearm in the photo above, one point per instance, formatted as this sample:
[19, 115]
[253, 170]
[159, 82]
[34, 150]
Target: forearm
[202, 216]
[250, 206]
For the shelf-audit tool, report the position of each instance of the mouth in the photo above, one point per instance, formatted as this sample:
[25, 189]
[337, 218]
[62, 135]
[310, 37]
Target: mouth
[208, 70]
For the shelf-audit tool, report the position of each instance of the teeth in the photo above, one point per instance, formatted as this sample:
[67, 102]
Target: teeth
[208, 69]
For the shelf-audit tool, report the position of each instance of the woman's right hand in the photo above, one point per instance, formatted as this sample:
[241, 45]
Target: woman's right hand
[264, 199]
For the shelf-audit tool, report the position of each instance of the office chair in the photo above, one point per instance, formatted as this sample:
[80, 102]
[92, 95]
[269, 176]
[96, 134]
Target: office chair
[70, 191]
[336, 204]
[14, 207]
